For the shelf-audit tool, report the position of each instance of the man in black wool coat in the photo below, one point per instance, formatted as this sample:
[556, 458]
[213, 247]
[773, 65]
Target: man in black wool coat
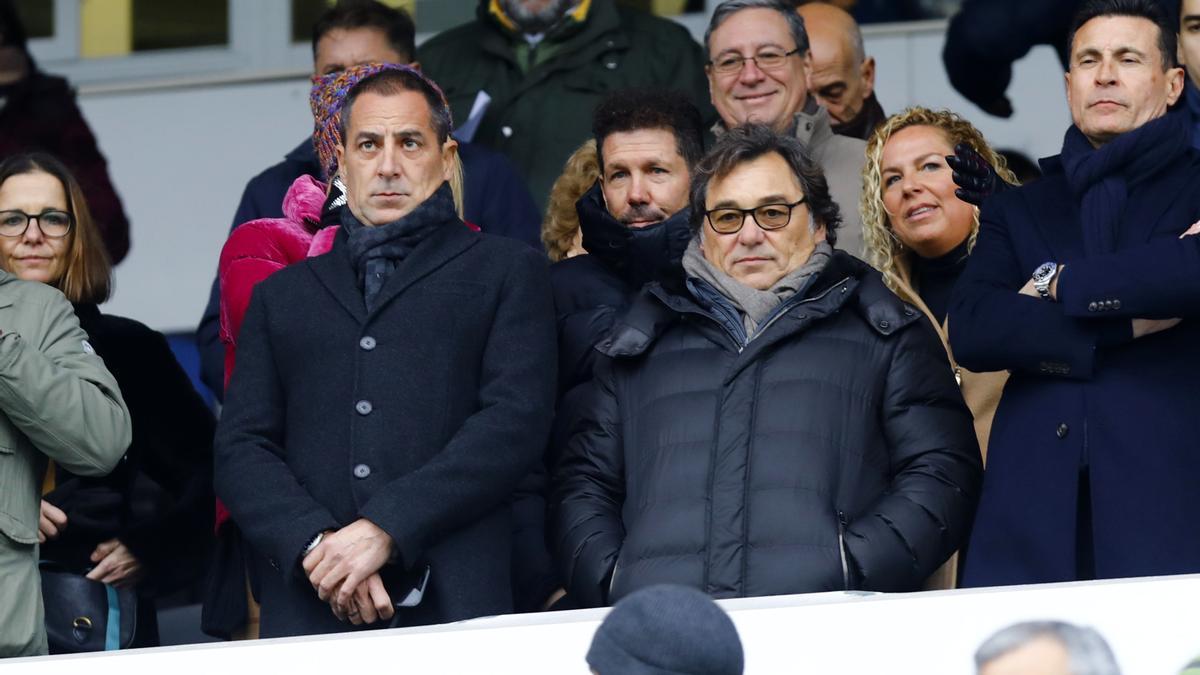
[389, 395]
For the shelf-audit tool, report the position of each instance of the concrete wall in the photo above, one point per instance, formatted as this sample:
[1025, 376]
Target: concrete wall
[180, 156]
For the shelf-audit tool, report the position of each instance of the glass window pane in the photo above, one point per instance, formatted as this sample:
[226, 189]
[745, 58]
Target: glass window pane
[304, 15]
[38, 17]
[171, 25]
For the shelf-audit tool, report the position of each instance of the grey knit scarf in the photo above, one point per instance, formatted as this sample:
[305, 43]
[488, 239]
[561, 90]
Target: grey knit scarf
[376, 251]
[754, 305]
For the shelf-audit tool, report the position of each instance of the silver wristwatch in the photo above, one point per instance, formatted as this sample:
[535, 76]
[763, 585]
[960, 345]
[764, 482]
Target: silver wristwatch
[1042, 277]
[313, 543]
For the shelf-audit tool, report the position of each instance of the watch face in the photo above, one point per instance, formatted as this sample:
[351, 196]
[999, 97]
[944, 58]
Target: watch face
[1044, 270]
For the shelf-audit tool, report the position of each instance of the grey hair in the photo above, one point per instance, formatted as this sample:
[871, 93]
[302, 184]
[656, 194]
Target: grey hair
[1087, 651]
[747, 143]
[730, 7]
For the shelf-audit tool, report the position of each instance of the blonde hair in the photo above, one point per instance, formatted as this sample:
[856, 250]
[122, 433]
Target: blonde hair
[561, 222]
[881, 244]
[457, 185]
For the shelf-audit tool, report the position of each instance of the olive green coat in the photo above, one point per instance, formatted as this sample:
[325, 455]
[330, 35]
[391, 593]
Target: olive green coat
[540, 113]
[57, 401]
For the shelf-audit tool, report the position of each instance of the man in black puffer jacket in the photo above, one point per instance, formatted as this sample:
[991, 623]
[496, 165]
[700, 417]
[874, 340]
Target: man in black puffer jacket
[781, 424]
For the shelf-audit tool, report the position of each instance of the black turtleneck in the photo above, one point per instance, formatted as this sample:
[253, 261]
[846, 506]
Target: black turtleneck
[934, 278]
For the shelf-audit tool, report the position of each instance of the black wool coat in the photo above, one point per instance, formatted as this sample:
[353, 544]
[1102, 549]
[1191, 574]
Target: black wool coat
[167, 524]
[421, 416]
[834, 451]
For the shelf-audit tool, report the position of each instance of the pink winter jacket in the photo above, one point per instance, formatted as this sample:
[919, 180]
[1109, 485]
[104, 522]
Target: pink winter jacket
[262, 247]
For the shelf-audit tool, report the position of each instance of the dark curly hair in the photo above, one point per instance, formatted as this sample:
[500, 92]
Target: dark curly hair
[747, 143]
[636, 109]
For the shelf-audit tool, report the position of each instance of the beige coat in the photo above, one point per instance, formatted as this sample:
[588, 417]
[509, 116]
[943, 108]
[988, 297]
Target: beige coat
[841, 159]
[981, 391]
[57, 401]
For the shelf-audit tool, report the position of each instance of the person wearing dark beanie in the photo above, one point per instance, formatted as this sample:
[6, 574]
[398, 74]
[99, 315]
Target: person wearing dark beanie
[666, 630]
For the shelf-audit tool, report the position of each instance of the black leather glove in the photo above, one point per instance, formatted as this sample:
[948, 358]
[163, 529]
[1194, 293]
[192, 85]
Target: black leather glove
[976, 179]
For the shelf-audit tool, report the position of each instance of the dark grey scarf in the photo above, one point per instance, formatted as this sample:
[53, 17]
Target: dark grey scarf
[376, 251]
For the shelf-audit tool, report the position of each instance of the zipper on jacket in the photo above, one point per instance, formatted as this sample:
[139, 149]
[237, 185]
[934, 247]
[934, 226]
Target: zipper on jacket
[842, 550]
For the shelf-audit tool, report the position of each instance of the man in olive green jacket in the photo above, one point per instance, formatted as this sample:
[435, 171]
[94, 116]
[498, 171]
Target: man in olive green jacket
[543, 77]
[59, 402]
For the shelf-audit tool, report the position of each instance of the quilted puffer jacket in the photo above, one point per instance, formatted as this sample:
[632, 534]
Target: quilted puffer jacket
[831, 451]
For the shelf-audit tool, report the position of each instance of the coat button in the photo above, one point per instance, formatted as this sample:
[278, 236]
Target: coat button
[1093, 306]
[885, 325]
[611, 65]
[361, 471]
[1062, 430]
[367, 343]
[507, 131]
[1108, 304]
[363, 407]
[908, 312]
[1116, 304]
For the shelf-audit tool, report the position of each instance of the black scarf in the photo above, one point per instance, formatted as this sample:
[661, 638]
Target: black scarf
[1101, 177]
[637, 255]
[865, 122]
[376, 251]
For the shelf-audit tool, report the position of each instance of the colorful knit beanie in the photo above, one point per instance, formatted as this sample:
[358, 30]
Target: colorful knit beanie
[329, 95]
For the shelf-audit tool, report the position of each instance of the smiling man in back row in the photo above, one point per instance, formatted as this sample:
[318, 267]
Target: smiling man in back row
[759, 70]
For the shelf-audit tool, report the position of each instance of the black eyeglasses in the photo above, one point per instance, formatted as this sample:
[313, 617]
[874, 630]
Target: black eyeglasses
[766, 60]
[729, 220]
[52, 223]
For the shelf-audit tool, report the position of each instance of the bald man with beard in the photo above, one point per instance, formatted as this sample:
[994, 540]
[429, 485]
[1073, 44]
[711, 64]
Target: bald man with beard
[843, 76]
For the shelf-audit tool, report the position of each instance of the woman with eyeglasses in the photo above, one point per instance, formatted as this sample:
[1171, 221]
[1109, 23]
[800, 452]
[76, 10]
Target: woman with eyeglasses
[147, 525]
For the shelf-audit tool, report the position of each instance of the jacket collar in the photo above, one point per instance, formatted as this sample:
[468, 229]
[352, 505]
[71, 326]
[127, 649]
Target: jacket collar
[637, 255]
[335, 271]
[6, 299]
[602, 20]
[810, 125]
[846, 282]
[490, 10]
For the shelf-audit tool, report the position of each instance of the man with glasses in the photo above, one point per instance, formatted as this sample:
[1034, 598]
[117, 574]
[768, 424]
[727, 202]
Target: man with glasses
[781, 423]
[759, 66]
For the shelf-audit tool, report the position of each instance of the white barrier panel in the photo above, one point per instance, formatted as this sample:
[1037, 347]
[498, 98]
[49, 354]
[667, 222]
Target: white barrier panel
[1153, 626]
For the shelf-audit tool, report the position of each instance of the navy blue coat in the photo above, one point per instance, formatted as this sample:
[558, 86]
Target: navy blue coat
[1082, 390]
[495, 199]
[460, 393]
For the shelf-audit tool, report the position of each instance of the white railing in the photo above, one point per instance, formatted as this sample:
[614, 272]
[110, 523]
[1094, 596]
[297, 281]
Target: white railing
[1151, 624]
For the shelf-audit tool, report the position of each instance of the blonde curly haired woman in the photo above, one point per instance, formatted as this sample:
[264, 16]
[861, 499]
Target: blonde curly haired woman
[918, 233]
